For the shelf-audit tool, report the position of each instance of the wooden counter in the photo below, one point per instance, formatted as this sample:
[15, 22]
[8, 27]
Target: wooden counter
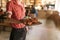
[49, 14]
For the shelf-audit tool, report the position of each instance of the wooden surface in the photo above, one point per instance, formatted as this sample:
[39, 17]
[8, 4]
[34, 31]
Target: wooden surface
[8, 21]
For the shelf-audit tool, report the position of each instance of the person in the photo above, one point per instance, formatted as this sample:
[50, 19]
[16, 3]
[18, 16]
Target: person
[34, 11]
[27, 11]
[1, 14]
[1, 10]
[16, 11]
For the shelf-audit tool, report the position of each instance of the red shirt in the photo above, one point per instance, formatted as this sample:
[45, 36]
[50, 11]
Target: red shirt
[18, 12]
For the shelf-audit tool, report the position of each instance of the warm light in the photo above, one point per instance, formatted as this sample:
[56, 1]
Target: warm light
[38, 7]
[48, 1]
[43, 2]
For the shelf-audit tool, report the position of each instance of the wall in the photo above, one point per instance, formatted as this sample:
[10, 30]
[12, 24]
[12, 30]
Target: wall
[57, 5]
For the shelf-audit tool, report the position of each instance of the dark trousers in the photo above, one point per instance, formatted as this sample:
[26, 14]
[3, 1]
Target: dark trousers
[18, 34]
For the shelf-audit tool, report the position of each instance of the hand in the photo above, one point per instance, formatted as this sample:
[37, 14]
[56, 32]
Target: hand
[9, 13]
[27, 28]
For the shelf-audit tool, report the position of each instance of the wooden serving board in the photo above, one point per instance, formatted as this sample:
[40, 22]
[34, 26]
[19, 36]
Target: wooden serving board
[8, 21]
[35, 24]
[11, 21]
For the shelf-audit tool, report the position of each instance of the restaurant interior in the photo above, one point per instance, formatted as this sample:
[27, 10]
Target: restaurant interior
[44, 24]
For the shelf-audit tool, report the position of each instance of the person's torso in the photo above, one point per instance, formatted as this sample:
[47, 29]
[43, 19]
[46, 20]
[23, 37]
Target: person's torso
[17, 12]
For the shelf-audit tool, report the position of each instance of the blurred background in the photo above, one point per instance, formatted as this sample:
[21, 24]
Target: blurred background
[47, 12]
